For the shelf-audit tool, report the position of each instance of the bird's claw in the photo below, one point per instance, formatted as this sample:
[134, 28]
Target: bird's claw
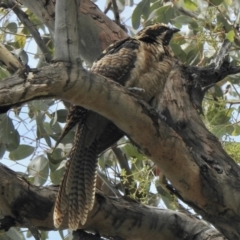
[161, 115]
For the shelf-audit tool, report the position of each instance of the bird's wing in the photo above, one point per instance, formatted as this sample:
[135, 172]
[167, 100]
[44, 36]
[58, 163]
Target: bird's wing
[117, 61]
[78, 184]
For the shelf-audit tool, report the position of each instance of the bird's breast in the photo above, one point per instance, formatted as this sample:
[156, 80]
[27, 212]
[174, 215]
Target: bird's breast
[150, 72]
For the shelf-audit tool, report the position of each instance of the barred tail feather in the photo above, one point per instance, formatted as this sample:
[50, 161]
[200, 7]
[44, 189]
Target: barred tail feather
[90, 174]
[61, 202]
[75, 116]
[77, 190]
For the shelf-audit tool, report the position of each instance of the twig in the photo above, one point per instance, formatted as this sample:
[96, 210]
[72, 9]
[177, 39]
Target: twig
[108, 7]
[116, 13]
[222, 53]
[9, 60]
[23, 17]
[124, 165]
[185, 12]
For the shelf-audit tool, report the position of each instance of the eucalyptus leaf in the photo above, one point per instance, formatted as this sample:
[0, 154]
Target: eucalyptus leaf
[61, 115]
[21, 152]
[12, 27]
[142, 8]
[38, 168]
[216, 2]
[190, 5]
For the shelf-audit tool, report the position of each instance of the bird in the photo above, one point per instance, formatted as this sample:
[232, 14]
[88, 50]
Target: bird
[140, 62]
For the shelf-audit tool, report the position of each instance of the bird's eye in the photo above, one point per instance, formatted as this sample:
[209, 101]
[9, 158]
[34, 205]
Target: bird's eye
[156, 32]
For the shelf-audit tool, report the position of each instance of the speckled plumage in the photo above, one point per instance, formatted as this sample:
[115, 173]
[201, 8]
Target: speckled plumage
[143, 61]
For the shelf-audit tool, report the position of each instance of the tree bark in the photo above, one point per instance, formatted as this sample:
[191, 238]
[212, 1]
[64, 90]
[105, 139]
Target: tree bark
[25, 205]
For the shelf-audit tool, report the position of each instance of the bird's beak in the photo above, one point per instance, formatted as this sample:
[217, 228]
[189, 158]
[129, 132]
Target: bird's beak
[174, 30]
[169, 35]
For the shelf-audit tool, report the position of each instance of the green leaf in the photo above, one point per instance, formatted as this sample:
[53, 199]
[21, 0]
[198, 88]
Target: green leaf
[67, 139]
[220, 130]
[142, 8]
[236, 131]
[55, 126]
[182, 20]
[163, 14]
[40, 105]
[178, 51]
[56, 156]
[29, 234]
[12, 27]
[35, 21]
[21, 152]
[57, 172]
[48, 140]
[8, 135]
[6, 128]
[224, 22]
[2, 150]
[190, 5]
[4, 73]
[21, 40]
[107, 159]
[129, 3]
[48, 128]
[132, 152]
[230, 35]
[38, 168]
[61, 115]
[14, 233]
[216, 2]
[193, 57]
[15, 141]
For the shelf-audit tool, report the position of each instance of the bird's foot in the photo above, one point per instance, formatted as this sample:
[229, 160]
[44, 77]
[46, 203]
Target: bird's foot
[161, 115]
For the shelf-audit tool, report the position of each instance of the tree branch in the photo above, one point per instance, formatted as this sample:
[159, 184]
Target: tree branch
[96, 34]
[110, 217]
[23, 17]
[196, 176]
[8, 59]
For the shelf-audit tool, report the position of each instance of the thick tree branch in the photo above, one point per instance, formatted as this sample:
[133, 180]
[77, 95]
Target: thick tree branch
[197, 178]
[111, 217]
[8, 59]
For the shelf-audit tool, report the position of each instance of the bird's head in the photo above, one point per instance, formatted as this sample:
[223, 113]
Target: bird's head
[157, 33]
